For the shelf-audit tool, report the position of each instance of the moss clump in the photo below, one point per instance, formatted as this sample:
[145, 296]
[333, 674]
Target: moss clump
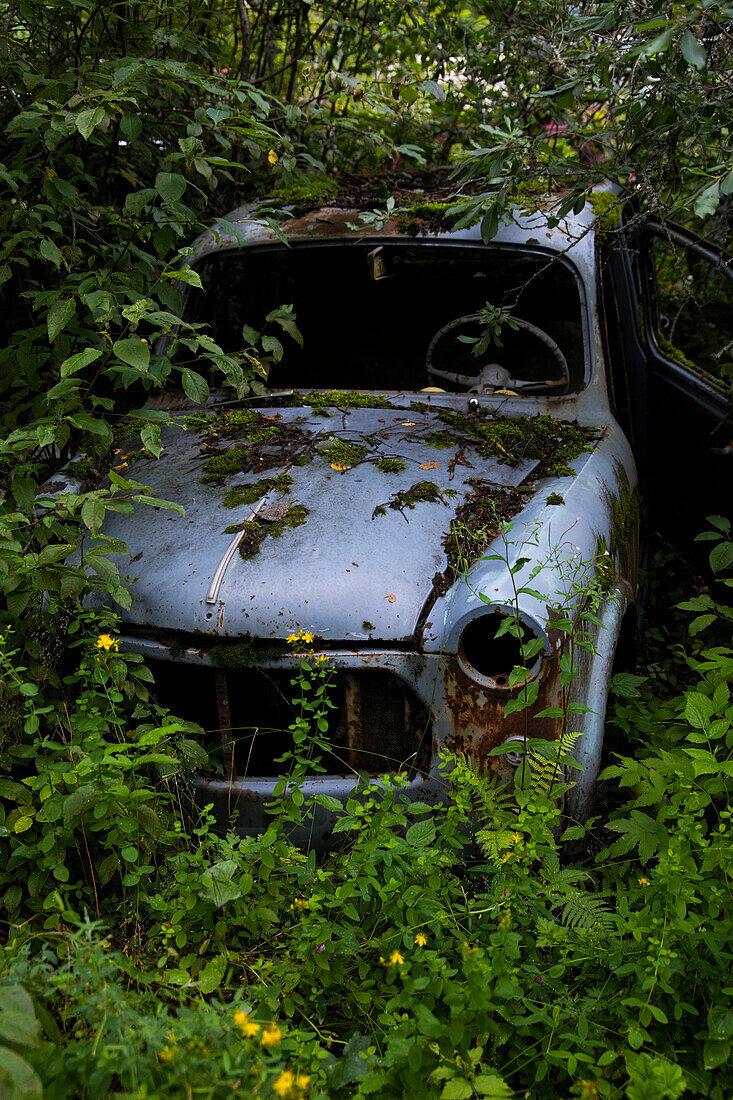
[391, 465]
[555, 443]
[422, 492]
[440, 440]
[337, 399]
[250, 494]
[555, 498]
[607, 210]
[366, 625]
[478, 522]
[243, 654]
[425, 215]
[342, 452]
[306, 191]
[256, 530]
[225, 464]
[625, 509]
[605, 565]
[261, 442]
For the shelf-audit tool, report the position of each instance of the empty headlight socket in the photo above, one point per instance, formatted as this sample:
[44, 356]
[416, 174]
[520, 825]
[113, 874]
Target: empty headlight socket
[489, 660]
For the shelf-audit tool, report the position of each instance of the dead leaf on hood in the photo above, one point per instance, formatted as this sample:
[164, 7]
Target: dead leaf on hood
[430, 465]
[271, 515]
[391, 597]
[408, 423]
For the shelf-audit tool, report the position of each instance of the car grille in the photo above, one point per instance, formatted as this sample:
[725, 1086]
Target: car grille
[376, 724]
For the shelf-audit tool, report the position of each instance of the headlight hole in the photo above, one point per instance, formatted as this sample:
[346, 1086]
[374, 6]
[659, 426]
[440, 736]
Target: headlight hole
[489, 659]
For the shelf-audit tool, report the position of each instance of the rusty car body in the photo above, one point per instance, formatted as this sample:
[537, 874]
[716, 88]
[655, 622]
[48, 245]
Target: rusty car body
[362, 500]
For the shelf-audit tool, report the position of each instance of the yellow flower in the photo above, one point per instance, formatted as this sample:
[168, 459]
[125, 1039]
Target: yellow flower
[506, 856]
[516, 837]
[167, 1054]
[246, 1026]
[284, 1083]
[304, 636]
[321, 658]
[644, 881]
[272, 157]
[271, 1036]
[421, 939]
[106, 641]
[302, 1081]
[338, 466]
[395, 958]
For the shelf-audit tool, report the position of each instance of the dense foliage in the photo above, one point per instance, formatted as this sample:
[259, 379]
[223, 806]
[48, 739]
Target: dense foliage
[144, 953]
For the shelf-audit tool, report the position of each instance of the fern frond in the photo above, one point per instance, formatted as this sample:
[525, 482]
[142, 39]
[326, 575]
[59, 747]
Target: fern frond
[546, 772]
[583, 910]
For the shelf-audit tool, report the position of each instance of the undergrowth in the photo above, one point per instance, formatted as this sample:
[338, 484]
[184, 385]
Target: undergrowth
[149, 955]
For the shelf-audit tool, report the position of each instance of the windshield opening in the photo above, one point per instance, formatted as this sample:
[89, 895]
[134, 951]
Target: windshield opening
[403, 316]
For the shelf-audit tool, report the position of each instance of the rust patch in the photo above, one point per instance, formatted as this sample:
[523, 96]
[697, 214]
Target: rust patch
[479, 723]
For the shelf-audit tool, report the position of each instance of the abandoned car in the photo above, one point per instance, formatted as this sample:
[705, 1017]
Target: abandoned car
[357, 509]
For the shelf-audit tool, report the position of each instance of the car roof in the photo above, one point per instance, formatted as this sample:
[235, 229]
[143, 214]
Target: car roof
[339, 220]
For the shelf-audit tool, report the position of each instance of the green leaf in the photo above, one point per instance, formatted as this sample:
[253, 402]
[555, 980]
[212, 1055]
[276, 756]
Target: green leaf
[75, 804]
[59, 316]
[194, 386]
[421, 833]
[88, 119]
[706, 202]
[79, 361]
[187, 275]
[428, 1024]
[715, 1053]
[216, 884]
[18, 1081]
[693, 50]
[492, 1086]
[658, 44]
[50, 252]
[170, 186]
[721, 556]
[698, 709]
[720, 1022]
[211, 976]
[329, 802]
[456, 1090]
[92, 514]
[133, 351]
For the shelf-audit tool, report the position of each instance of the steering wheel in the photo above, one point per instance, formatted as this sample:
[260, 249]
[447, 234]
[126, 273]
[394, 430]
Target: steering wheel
[493, 376]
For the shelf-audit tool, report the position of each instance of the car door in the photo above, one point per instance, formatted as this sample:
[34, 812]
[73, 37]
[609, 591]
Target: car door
[681, 309]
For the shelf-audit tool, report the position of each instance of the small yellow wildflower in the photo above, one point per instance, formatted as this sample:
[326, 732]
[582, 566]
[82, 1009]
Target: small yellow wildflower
[321, 658]
[284, 1083]
[506, 856]
[396, 958]
[300, 903]
[644, 881]
[167, 1054]
[516, 837]
[271, 1036]
[246, 1026]
[338, 466]
[302, 1081]
[272, 157]
[421, 939]
[106, 641]
[304, 636]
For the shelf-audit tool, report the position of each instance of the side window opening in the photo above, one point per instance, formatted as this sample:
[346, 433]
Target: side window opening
[691, 305]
